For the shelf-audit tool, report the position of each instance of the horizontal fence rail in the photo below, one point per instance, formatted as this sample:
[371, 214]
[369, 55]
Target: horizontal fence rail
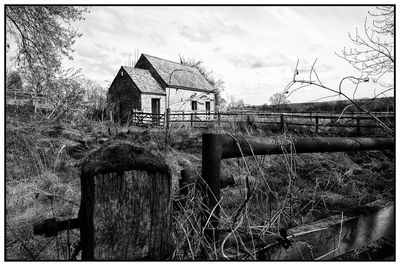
[239, 146]
[327, 238]
[216, 147]
[335, 236]
[141, 118]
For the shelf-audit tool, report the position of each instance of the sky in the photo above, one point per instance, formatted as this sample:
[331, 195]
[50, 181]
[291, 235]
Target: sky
[253, 49]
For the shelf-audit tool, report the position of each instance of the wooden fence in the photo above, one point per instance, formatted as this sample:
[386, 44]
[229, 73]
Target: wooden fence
[316, 122]
[144, 119]
[38, 100]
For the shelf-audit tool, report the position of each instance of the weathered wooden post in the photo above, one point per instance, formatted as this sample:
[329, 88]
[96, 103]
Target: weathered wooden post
[316, 124]
[191, 119]
[358, 126]
[219, 118]
[125, 204]
[210, 172]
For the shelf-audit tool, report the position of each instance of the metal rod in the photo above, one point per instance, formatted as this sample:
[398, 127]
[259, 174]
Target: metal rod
[50, 227]
[211, 168]
[262, 146]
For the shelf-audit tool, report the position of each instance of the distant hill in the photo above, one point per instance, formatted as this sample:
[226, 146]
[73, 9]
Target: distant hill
[384, 104]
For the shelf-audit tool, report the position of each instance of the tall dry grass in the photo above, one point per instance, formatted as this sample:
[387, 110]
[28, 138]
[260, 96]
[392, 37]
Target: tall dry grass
[278, 192]
[41, 182]
[270, 192]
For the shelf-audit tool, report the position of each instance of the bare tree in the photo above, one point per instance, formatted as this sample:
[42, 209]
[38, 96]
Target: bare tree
[13, 81]
[131, 61]
[95, 94]
[278, 99]
[290, 88]
[43, 34]
[217, 84]
[373, 57]
[37, 78]
[373, 53]
[240, 103]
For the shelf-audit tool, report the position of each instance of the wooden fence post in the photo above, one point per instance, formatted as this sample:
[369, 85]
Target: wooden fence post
[210, 172]
[133, 116]
[282, 122]
[219, 118]
[358, 126]
[191, 119]
[316, 124]
[125, 204]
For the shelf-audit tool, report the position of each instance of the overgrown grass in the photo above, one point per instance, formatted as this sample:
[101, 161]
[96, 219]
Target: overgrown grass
[270, 192]
[41, 183]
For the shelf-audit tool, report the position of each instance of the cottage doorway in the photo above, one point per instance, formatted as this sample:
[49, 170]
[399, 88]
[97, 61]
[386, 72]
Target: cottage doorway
[155, 110]
[208, 107]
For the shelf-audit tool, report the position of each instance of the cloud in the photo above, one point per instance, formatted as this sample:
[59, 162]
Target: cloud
[217, 49]
[324, 67]
[105, 47]
[252, 61]
[305, 67]
[195, 35]
[205, 32]
[99, 58]
[156, 38]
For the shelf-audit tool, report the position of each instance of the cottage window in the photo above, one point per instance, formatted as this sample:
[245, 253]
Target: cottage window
[194, 106]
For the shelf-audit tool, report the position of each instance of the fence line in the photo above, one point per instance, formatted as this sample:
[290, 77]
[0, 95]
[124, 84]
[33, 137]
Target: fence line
[283, 120]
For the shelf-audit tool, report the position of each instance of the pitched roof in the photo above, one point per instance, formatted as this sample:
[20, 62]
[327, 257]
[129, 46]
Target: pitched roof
[143, 80]
[182, 76]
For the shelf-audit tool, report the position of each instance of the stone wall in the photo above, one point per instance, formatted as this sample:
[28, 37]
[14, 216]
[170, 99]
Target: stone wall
[181, 100]
[146, 102]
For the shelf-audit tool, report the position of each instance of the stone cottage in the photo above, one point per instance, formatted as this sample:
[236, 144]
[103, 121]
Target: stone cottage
[155, 84]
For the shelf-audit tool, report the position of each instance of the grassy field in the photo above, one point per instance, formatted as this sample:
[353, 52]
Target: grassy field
[43, 160]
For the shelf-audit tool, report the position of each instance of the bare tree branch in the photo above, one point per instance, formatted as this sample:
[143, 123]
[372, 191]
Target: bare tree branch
[374, 51]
